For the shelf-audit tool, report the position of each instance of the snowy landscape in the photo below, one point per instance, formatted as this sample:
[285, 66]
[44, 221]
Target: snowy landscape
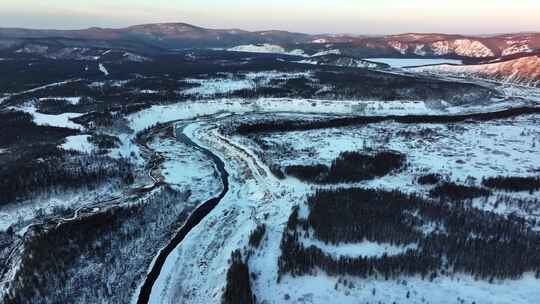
[253, 168]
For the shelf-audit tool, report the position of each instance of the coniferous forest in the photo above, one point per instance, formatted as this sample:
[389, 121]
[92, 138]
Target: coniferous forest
[444, 236]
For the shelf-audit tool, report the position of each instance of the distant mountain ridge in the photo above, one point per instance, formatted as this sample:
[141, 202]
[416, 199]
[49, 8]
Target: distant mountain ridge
[171, 36]
[523, 70]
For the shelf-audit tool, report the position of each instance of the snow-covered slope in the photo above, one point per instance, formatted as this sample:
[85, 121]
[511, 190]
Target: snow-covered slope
[266, 48]
[524, 70]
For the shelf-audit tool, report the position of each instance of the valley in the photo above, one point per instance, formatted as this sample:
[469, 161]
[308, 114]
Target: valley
[292, 168]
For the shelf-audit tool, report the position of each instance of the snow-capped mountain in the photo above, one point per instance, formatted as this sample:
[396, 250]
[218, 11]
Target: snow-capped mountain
[524, 70]
[442, 45]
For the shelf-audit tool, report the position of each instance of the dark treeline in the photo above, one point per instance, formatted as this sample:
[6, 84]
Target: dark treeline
[104, 142]
[257, 236]
[349, 167]
[19, 75]
[18, 128]
[47, 168]
[298, 260]
[238, 288]
[59, 105]
[348, 216]
[295, 125]
[429, 179]
[513, 183]
[108, 116]
[377, 85]
[452, 191]
[465, 240]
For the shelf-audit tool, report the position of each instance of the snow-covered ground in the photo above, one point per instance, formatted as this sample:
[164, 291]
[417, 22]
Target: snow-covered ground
[276, 49]
[103, 69]
[443, 290]
[408, 62]
[505, 147]
[78, 143]
[185, 168]
[72, 100]
[230, 84]
[195, 272]
[198, 109]
[266, 48]
[61, 120]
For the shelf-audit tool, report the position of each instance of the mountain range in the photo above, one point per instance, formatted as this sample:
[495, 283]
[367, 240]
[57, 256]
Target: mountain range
[163, 37]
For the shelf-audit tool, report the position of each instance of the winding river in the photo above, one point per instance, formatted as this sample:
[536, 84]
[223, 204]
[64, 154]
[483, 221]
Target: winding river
[194, 219]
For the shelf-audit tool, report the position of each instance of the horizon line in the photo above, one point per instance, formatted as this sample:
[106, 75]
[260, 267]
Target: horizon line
[267, 30]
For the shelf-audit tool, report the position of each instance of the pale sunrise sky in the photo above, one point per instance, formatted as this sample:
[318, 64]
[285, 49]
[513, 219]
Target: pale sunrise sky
[311, 16]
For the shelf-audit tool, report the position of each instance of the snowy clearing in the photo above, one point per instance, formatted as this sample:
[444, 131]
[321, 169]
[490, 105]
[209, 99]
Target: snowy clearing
[62, 120]
[78, 143]
[71, 100]
[266, 48]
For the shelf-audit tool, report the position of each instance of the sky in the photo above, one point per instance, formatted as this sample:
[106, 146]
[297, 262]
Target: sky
[309, 16]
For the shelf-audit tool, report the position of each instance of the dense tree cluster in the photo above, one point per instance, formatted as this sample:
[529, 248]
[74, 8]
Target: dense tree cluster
[513, 183]
[19, 129]
[19, 75]
[452, 191]
[429, 179]
[462, 239]
[104, 142]
[257, 236]
[238, 288]
[276, 171]
[298, 260]
[47, 168]
[295, 125]
[109, 116]
[98, 244]
[349, 167]
[354, 215]
[381, 86]
[59, 105]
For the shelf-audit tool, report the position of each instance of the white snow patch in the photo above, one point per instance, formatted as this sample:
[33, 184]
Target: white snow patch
[71, 100]
[399, 46]
[321, 40]
[149, 91]
[419, 50]
[103, 69]
[78, 143]
[62, 120]
[516, 49]
[266, 48]
[329, 52]
[209, 87]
